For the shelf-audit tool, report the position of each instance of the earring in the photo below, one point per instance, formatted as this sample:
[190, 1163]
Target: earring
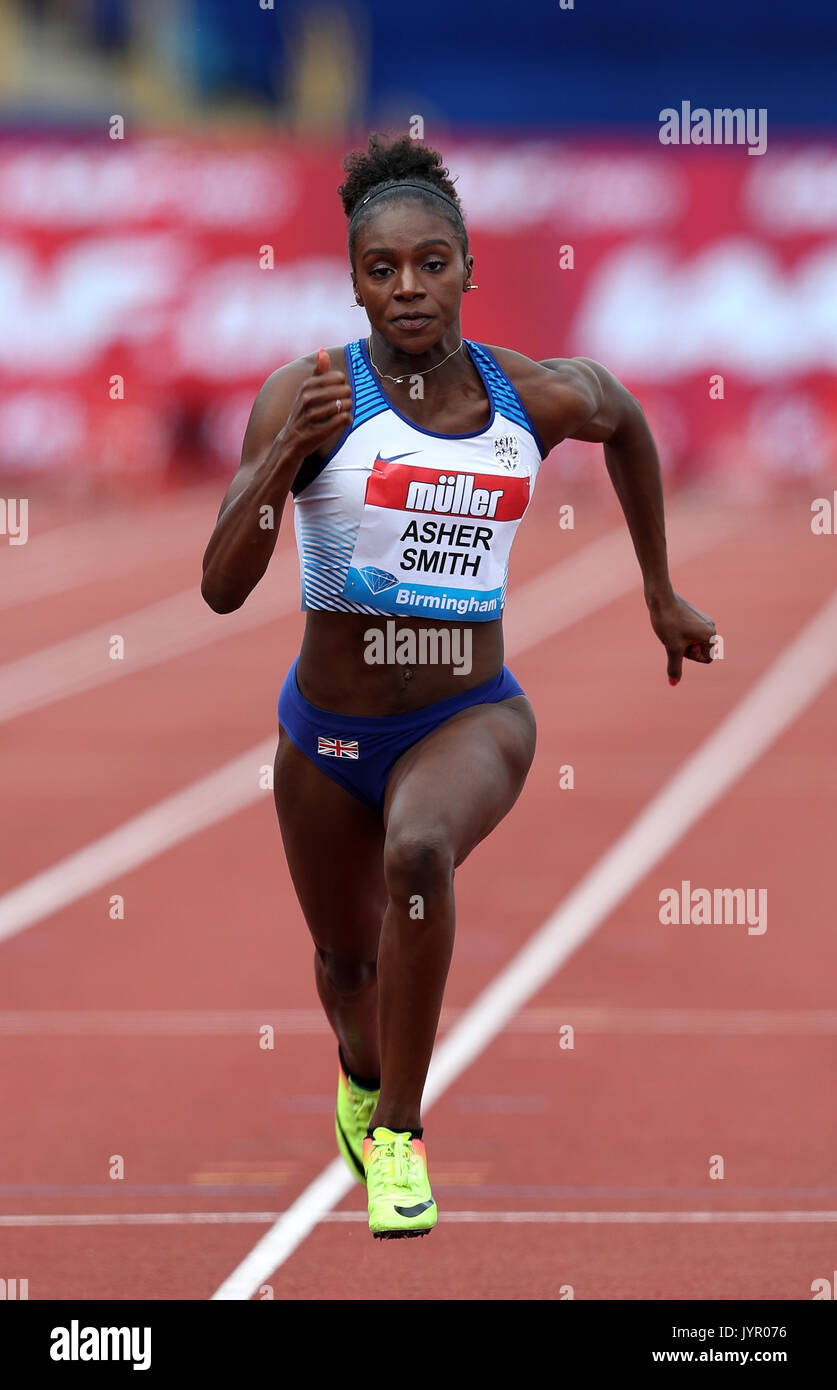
[357, 305]
[472, 287]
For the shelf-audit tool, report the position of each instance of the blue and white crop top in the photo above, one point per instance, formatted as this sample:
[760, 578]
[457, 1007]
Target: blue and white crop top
[402, 520]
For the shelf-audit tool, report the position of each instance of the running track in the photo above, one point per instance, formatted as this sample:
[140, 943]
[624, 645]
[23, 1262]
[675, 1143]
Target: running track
[553, 1167]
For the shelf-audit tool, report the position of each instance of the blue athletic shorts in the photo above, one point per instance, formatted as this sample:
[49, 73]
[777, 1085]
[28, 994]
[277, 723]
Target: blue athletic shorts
[359, 751]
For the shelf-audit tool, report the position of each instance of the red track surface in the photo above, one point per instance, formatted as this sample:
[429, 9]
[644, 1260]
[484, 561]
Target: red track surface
[626, 1122]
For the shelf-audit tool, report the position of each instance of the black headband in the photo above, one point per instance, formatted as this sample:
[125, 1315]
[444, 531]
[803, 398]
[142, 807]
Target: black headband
[406, 183]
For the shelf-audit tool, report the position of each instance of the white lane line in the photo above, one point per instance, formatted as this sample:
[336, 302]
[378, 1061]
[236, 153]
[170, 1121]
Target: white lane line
[567, 592]
[676, 1022]
[604, 571]
[158, 632]
[105, 547]
[288, 1023]
[542, 1218]
[801, 672]
[198, 806]
[618, 1218]
[235, 785]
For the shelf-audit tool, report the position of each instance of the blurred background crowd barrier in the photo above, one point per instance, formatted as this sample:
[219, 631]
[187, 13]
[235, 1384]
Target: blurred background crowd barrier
[153, 273]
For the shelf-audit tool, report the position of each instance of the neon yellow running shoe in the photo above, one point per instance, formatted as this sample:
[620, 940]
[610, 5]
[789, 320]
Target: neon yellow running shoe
[400, 1200]
[355, 1108]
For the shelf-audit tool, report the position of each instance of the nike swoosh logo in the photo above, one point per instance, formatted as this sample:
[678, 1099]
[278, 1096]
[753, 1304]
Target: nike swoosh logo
[397, 456]
[416, 1210]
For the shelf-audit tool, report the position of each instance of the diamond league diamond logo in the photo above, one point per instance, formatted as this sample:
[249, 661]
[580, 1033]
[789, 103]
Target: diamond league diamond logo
[378, 580]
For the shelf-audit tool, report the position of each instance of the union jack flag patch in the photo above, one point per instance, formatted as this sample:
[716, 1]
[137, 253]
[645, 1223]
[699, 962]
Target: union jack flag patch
[337, 747]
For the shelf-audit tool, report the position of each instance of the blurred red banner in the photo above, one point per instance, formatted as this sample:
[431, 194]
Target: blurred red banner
[150, 287]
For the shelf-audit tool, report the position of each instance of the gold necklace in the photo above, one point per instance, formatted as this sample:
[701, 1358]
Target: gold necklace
[398, 379]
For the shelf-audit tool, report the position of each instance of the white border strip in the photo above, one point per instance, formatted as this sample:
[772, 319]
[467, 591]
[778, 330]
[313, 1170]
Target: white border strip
[798, 676]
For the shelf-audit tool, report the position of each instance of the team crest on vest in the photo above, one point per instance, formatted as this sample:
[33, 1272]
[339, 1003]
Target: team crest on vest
[507, 450]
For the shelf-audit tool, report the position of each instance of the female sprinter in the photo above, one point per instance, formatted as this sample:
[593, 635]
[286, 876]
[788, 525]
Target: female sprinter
[410, 456]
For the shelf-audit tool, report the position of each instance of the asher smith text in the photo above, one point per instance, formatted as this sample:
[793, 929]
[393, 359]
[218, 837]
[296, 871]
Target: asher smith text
[450, 561]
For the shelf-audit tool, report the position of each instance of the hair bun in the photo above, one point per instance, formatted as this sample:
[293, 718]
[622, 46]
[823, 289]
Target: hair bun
[398, 159]
[393, 164]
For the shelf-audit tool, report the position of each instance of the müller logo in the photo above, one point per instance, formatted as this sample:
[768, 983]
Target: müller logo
[455, 494]
[401, 487]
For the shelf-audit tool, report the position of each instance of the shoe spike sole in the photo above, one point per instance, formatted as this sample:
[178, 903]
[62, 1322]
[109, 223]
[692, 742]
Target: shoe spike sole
[398, 1235]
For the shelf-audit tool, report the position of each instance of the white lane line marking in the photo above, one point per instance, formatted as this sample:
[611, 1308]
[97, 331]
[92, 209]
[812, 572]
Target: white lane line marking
[234, 786]
[602, 572]
[158, 632]
[800, 673]
[202, 804]
[674, 1022]
[593, 1019]
[544, 1218]
[618, 1218]
[105, 547]
[568, 591]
